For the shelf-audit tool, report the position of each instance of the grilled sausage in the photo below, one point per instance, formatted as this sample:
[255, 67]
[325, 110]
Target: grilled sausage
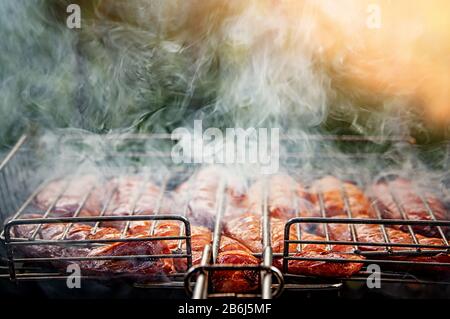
[343, 265]
[228, 244]
[134, 195]
[68, 194]
[332, 191]
[201, 193]
[46, 232]
[311, 251]
[237, 281]
[232, 252]
[235, 185]
[148, 269]
[398, 196]
[285, 197]
[162, 229]
[200, 237]
[138, 194]
[247, 230]
[85, 232]
[370, 233]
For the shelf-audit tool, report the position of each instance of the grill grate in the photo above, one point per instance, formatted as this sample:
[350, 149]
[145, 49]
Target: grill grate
[202, 287]
[18, 189]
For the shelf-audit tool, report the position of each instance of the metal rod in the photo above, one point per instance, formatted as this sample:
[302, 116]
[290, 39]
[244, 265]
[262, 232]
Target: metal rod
[349, 214]
[104, 208]
[91, 219]
[13, 151]
[10, 255]
[372, 261]
[50, 208]
[287, 233]
[135, 201]
[57, 198]
[26, 203]
[127, 257]
[367, 244]
[323, 214]
[298, 228]
[404, 215]
[77, 212]
[383, 228]
[265, 215]
[185, 212]
[324, 221]
[201, 284]
[266, 277]
[182, 230]
[221, 203]
[5, 200]
[159, 203]
[293, 136]
[433, 217]
[224, 267]
[333, 220]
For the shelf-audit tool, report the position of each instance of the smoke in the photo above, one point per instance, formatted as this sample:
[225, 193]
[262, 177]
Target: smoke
[152, 66]
[37, 77]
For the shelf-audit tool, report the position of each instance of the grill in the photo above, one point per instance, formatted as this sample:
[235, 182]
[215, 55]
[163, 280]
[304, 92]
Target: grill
[30, 166]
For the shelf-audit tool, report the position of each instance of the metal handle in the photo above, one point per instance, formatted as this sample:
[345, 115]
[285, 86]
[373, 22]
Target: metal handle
[201, 269]
[201, 286]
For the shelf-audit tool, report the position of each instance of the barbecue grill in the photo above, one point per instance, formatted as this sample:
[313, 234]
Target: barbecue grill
[31, 165]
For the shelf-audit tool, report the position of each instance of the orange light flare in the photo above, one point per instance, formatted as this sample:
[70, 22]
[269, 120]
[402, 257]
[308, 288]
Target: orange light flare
[383, 48]
[407, 56]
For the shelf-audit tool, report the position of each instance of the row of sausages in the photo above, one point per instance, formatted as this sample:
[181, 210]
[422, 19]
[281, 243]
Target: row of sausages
[241, 227]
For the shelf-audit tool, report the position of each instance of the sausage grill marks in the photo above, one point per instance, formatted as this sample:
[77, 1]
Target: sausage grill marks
[135, 195]
[369, 233]
[247, 230]
[331, 190]
[397, 199]
[130, 195]
[287, 199]
[66, 196]
[202, 189]
[237, 281]
[230, 252]
[136, 267]
[285, 196]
